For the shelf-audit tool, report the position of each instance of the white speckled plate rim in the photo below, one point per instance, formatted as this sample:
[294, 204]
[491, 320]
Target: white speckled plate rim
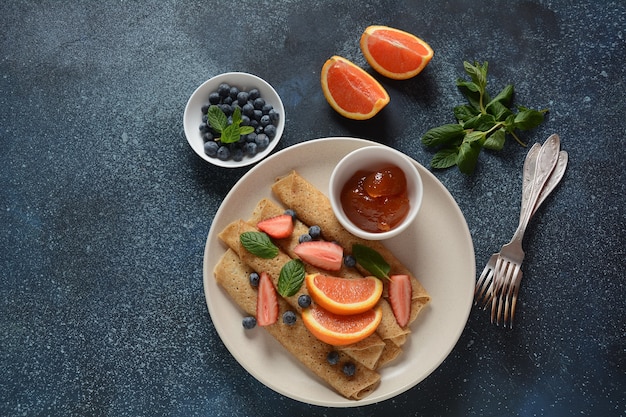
[438, 249]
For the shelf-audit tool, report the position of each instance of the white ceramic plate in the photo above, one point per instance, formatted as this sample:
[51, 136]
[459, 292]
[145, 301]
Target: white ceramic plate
[437, 248]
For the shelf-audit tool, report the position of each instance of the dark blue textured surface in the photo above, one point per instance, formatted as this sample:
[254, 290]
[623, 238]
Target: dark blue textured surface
[104, 208]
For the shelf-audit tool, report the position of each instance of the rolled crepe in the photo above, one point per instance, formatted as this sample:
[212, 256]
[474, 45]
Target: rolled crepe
[389, 329]
[367, 352]
[232, 274]
[313, 207]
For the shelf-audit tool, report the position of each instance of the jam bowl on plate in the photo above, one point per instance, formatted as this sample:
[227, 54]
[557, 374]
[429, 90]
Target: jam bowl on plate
[375, 192]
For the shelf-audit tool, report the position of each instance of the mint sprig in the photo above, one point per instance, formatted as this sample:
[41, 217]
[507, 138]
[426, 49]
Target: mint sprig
[291, 278]
[371, 260]
[484, 122]
[230, 131]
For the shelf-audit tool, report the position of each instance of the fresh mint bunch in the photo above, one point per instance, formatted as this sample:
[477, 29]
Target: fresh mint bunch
[230, 132]
[484, 122]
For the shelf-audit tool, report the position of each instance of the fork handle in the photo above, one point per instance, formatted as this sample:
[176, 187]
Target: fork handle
[547, 158]
[553, 180]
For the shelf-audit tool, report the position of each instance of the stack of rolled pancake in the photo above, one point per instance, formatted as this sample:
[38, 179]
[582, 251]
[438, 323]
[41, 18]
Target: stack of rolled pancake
[313, 208]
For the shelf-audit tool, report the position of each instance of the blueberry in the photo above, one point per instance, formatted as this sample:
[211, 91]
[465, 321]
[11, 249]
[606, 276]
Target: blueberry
[223, 153]
[214, 98]
[233, 92]
[265, 120]
[203, 127]
[267, 108]
[333, 357]
[237, 154]
[250, 148]
[245, 120]
[248, 110]
[262, 141]
[304, 300]
[259, 102]
[259, 129]
[223, 90]
[207, 136]
[248, 322]
[305, 238]
[315, 231]
[274, 116]
[226, 108]
[349, 369]
[253, 94]
[292, 213]
[242, 98]
[270, 130]
[251, 137]
[254, 279]
[210, 148]
[289, 318]
[257, 114]
[349, 261]
[204, 109]
[254, 123]
[228, 100]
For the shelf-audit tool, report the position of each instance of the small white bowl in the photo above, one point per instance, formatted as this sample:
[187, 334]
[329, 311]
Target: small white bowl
[244, 81]
[371, 158]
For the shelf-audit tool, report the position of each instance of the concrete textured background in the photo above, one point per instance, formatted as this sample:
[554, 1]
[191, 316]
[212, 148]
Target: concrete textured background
[104, 208]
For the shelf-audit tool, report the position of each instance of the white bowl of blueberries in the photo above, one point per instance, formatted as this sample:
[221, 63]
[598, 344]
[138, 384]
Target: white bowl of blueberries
[234, 119]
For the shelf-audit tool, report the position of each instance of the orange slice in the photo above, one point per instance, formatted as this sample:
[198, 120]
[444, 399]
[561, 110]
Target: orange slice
[338, 330]
[350, 90]
[394, 53]
[344, 295]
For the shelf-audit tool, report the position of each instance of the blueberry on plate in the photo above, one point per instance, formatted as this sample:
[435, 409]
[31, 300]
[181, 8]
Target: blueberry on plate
[304, 300]
[248, 322]
[289, 317]
[333, 357]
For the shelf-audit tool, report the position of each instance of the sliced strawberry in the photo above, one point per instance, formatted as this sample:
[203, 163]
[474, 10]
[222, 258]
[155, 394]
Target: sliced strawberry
[267, 302]
[400, 293]
[278, 227]
[322, 254]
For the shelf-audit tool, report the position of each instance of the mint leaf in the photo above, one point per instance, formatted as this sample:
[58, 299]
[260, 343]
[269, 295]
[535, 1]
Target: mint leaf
[230, 134]
[445, 158]
[527, 118]
[465, 113]
[371, 260]
[245, 130]
[259, 244]
[504, 97]
[291, 278]
[443, 135]
[496, 140]
[469, 152]
[216, 118]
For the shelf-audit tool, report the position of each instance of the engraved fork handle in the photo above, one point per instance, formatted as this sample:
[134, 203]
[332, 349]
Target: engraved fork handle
[553, 180]
[547, 158]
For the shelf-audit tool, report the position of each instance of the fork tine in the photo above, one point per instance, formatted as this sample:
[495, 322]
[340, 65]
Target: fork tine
[506, 273]
[498, 280]
[516, 285]
[509, 296]
[482, 293]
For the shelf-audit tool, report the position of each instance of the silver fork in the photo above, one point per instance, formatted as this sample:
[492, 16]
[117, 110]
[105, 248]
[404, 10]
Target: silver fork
[507, 272]
[483, 292]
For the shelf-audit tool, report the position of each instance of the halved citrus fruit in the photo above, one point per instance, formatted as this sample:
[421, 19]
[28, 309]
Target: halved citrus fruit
[339, 330]
[344, 295]
[394, 53]
[350, 90]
